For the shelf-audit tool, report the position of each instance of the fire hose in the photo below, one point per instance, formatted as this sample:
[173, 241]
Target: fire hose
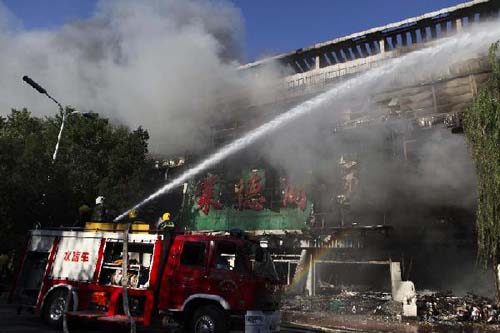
[126, 307]
[66, 309]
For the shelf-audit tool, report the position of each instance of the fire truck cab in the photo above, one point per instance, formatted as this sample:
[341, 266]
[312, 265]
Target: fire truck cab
[202, 281]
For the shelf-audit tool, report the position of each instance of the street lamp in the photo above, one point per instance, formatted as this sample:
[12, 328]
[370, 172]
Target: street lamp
[65, 114]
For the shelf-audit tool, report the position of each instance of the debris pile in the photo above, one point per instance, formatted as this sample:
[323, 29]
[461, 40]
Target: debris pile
[346, 302]
[432, 308]
[446, 308]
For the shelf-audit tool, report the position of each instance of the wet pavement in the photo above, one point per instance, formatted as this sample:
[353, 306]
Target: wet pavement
[328, 322]
[26, 322]
[346, 309]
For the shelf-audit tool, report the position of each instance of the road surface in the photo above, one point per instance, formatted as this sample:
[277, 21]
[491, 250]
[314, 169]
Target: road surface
[27, 322]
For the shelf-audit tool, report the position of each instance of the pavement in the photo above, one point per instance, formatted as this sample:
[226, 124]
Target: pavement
[10, 322]
[28, 322]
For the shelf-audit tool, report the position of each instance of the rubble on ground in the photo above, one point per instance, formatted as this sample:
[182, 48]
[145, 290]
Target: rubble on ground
[432, 308]
[346, 301]
[445, 307]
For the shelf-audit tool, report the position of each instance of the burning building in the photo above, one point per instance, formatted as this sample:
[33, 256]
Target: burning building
[386, 185]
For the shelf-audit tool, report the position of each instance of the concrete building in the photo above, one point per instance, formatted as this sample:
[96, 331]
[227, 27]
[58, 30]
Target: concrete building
[369, 209]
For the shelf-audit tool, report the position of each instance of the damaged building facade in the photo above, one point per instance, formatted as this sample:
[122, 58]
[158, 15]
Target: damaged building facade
[381, 197]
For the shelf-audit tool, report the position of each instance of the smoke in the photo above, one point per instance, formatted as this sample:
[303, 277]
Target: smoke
[397, 162]
[419, 180]
[164, 65]
[171, 66]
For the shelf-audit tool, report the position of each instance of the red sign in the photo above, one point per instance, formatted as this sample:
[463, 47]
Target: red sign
[205, 201]
[293, 196]
[248, 193]
[76, 256]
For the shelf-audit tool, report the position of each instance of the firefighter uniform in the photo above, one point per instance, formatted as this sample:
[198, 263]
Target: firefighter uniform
[100, 213]
[166, 222]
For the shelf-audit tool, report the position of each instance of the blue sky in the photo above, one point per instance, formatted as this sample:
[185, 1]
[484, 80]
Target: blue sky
[271, 26]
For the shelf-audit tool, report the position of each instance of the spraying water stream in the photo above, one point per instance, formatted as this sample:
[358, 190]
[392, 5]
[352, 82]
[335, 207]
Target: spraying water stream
[459, 47]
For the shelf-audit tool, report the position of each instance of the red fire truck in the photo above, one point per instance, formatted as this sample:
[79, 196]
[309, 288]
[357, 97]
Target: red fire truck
[206, 282]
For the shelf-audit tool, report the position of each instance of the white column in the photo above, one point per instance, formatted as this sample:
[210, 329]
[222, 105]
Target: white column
[381, 45]
[497, 284]
[311, 279]
[317, 62]
[395, 278]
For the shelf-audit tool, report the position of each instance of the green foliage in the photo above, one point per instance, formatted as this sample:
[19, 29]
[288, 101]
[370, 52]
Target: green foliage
[482, 130]
[95, 158]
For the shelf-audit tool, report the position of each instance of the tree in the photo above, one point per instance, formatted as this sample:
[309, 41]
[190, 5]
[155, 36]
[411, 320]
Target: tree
[482, 130]
[95, 158]
[23, 170]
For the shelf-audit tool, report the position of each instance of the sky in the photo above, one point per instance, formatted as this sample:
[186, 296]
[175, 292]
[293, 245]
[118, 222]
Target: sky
[271, 26]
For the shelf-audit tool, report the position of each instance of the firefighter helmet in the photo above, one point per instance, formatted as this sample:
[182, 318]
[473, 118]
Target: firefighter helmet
[165, 217]
[132, 214]
[99, 200]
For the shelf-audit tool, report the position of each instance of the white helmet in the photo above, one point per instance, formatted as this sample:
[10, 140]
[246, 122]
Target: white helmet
[99, 200]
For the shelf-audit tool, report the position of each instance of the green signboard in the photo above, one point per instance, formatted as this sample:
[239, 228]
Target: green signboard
[248, 208]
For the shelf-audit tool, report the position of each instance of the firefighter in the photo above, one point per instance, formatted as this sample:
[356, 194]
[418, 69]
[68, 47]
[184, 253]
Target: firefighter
[133, 216]
[84, 215]
[100, 213]
[166, 222]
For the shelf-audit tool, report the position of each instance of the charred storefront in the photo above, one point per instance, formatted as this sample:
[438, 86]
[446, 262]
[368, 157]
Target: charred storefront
[380, 196]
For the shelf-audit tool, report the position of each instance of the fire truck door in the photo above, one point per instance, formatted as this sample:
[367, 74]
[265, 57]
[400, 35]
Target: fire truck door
[190, 276]
[228, 271]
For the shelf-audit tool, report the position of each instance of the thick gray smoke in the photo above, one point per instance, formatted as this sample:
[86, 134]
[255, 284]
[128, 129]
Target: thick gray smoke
[438, 169]
[164, 65]
[422, 178]
[171, 66]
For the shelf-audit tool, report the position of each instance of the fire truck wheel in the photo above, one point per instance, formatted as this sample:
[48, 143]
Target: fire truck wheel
[208, 319]
[53, 308]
